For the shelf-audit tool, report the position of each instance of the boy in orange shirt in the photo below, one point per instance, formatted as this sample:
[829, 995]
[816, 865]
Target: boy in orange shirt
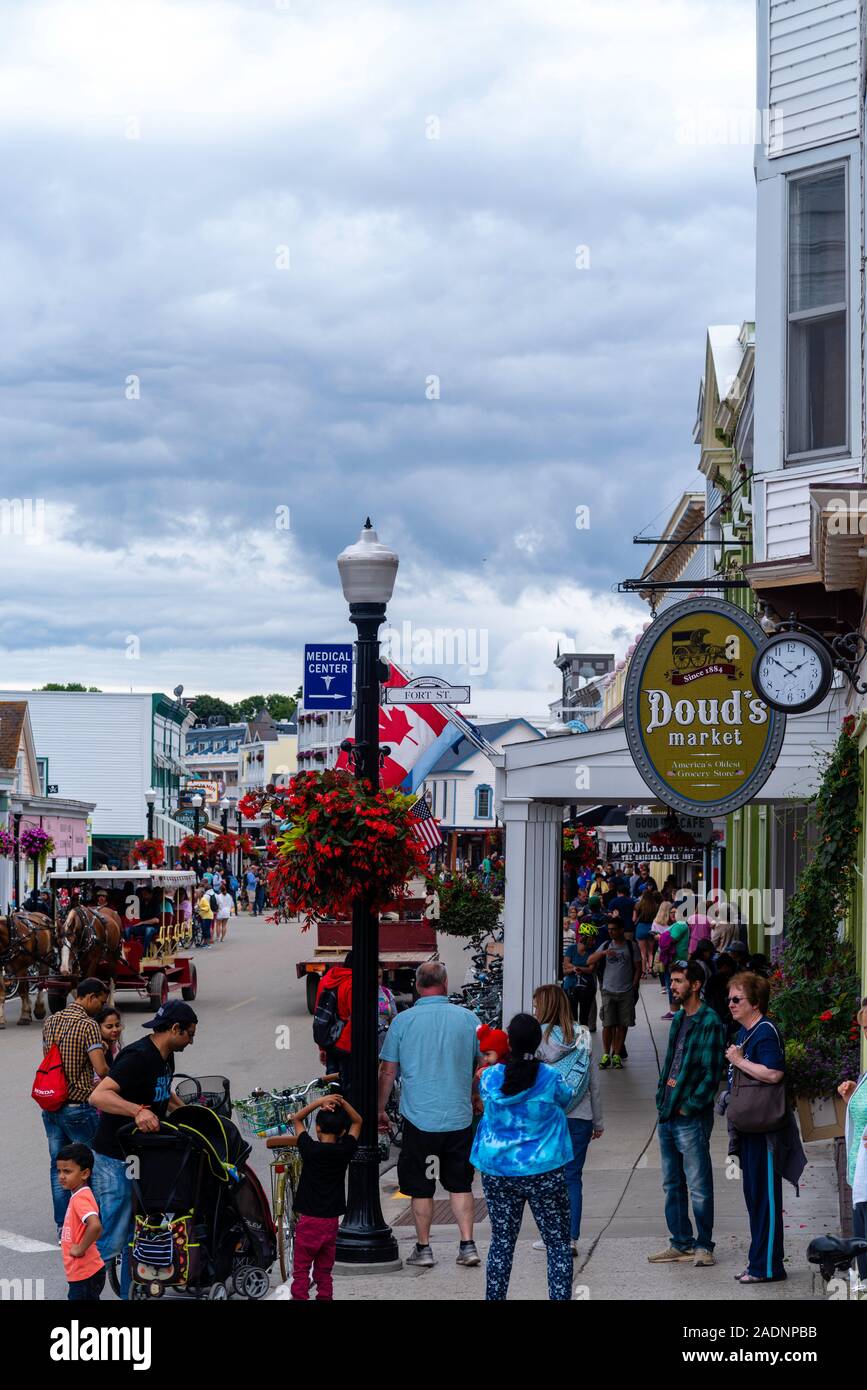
[82, 1228]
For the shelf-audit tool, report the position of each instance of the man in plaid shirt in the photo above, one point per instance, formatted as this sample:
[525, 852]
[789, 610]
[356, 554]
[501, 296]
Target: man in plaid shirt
[79, 1041]
[688, 1084]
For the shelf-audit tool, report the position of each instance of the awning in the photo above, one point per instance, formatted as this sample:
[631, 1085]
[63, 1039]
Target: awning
[838, 535]
[597, 768]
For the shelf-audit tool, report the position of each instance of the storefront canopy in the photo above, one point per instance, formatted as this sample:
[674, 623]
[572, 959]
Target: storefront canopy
[597, 769]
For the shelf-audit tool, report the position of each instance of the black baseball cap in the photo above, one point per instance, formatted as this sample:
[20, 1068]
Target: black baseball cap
[175, 1011]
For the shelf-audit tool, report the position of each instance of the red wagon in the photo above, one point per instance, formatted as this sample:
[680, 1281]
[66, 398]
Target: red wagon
[168, 963]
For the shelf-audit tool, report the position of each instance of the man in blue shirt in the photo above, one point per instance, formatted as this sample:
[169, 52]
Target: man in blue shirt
[435, 1045]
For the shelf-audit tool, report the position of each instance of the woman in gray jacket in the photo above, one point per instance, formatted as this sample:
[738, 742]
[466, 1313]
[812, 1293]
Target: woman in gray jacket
[568, 1046]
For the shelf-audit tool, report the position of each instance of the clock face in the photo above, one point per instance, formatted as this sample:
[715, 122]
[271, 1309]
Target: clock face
[791, 673]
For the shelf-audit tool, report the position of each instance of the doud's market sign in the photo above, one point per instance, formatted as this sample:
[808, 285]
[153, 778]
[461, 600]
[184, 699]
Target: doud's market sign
[700, 736]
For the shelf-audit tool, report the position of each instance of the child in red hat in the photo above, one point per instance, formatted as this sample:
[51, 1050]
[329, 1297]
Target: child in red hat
[494, 1047]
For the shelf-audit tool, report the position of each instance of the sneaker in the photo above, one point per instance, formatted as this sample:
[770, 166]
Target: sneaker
[616, 1062]
[604, 1061]
[422, 1256]
[666, 1017]
[540, 1245]
[703, 1258]
[468, 1254]
[670, 1255]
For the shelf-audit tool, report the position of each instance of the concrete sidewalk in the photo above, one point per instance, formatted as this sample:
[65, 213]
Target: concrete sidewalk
[623, 1210]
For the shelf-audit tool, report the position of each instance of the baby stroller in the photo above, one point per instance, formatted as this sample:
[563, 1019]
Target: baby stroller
[202, 1222]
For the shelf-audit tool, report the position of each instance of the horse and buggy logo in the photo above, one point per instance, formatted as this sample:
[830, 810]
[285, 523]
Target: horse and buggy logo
[693, 656]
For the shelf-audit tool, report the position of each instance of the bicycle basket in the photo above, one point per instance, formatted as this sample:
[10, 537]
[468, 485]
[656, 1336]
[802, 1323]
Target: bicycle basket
[257, 1113]
[210, 1091]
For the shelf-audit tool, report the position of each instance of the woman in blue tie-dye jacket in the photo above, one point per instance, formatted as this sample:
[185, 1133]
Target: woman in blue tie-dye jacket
[521, 1148]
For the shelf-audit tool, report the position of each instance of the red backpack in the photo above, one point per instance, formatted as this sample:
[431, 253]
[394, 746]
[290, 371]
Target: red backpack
[50, 1087]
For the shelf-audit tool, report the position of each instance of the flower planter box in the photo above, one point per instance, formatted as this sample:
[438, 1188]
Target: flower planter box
[823, 1117]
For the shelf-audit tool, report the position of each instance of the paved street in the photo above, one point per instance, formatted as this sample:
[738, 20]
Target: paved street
[248, 990]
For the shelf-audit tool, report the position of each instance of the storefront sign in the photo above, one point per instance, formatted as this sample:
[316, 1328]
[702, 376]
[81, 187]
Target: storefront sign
[671, 830]
[701, 738]
[646, 852]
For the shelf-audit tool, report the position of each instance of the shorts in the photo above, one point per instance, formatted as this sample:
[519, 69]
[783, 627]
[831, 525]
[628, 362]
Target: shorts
[618, 1010]
[423, 1154]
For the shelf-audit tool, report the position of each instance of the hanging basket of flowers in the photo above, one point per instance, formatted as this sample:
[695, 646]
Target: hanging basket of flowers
[192, 847]
[7, 845]
[36, 843]
[222, 845]
[344, 842]
[467, 908]
[246, 845]
[580, 847]
[153, 852]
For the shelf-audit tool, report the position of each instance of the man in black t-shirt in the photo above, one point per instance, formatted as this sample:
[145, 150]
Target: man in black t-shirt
[321, 1199]
[138, 1089]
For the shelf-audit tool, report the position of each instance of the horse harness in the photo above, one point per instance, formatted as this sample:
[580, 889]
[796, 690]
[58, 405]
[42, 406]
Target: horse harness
[22, 931]
[89, 937]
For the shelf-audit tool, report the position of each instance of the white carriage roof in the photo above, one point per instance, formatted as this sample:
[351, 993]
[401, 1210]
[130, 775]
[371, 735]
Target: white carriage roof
[160, 878]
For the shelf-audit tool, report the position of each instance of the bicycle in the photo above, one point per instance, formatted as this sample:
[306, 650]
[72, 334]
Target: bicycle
[268, 1115]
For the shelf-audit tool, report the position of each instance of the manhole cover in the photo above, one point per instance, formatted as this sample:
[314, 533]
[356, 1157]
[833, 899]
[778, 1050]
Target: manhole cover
[443, 1214]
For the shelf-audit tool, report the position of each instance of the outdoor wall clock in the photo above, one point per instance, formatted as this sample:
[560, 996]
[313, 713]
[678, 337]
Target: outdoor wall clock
[793, 671]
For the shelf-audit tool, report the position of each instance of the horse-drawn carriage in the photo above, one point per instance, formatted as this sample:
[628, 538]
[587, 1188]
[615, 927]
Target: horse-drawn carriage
[125, 926]
[690, 650]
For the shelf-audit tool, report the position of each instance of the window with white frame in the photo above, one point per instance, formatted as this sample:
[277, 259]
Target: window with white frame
[817, 384]
[484, 797]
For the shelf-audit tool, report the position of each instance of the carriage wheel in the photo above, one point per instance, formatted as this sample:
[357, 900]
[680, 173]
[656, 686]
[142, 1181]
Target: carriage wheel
[698, 658]
[312, 991]
[12, 985]
[681, 658]
[189, 991]
[158, 990]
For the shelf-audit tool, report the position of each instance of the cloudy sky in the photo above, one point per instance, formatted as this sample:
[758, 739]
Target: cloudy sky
[269, 266]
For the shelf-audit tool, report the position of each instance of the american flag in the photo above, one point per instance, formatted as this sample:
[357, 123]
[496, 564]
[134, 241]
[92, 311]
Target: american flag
[426, 828]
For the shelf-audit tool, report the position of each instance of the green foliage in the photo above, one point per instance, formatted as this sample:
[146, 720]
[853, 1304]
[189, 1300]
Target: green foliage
[73, 685]
[204, 706]
[815, 983]
[467, 908]
[278, 706]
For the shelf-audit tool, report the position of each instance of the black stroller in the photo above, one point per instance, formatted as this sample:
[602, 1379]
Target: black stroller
[203, 1224]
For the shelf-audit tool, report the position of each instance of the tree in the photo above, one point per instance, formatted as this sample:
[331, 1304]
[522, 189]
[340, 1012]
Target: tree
[281, 706]
[73, 685]
[206, 705]
[249, 707]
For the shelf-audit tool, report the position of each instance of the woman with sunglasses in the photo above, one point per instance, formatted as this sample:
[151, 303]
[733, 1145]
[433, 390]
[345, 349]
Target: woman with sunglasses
[855, 1095]
[757, 1052]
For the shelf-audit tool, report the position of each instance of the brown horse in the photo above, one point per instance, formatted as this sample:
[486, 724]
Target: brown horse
[90, 937]
[26, 940]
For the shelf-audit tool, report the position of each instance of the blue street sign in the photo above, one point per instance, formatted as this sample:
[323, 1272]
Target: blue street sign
[328, 676]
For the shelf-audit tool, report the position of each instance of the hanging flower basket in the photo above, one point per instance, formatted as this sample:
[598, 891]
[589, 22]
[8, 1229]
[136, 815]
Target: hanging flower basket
[7, 845]
[36, 843]
[153, 852]
[345, 842]
[192, 847]
[246, 845]
[467, 909]
[580, 847]
[222, 845]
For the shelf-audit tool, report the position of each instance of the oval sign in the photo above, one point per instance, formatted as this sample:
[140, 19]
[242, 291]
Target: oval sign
[699, 735]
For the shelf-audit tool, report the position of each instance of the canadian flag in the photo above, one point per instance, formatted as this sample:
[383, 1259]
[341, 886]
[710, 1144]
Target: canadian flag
[407, 730]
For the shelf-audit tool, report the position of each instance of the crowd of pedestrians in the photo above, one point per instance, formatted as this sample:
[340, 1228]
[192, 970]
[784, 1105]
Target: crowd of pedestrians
[520, 1106]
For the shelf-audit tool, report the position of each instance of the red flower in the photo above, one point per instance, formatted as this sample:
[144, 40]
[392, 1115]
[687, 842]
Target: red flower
[826, 1016]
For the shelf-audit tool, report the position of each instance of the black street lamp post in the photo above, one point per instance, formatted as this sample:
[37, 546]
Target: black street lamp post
[367, 574]
[150, 798]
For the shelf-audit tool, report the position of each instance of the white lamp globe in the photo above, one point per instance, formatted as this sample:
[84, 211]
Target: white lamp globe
[367, 569]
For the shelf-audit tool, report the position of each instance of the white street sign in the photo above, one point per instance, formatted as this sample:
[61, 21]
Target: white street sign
[426, 690]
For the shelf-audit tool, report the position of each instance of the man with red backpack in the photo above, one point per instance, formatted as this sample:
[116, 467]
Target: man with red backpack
[332, 1019]
[82, 1061]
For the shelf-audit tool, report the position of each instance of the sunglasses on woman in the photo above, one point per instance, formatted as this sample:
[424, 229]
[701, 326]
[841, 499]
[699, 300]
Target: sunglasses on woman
[736, 998]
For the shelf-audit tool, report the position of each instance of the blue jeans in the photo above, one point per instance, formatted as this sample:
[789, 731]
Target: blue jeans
[684, 1145]
[71, 1124]
[113, 1191]
[580, 1132]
